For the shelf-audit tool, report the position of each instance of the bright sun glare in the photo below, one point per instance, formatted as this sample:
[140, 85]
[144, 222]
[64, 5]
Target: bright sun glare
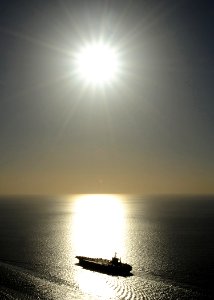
[97, 64]
[98, 225]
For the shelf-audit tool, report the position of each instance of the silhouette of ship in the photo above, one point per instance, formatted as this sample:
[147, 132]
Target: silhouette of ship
[113, 266]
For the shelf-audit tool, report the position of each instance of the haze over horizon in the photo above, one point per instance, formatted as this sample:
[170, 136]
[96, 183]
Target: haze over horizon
[150, 131]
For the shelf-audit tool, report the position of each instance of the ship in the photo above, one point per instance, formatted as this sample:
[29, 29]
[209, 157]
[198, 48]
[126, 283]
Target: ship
[113, 266]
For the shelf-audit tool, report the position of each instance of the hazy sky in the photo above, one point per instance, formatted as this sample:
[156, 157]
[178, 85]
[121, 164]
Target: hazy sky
[149, 132]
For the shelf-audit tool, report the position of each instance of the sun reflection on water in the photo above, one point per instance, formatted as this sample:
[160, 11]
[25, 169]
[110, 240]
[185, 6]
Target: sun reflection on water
[94, 286]
[97, 230]
[98, 225]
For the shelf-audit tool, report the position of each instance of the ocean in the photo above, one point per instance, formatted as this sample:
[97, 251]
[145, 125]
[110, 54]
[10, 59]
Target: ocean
[168, 240]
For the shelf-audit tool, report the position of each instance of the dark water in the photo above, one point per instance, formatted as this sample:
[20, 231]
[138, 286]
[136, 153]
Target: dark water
[169, 241]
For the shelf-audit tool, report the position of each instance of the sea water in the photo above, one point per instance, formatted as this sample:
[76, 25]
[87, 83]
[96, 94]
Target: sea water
[169, 242]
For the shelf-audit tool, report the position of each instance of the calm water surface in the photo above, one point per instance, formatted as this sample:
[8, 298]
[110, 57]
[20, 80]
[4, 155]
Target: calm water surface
[169, 241]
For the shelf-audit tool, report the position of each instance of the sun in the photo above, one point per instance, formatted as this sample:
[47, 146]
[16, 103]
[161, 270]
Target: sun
[97, 64]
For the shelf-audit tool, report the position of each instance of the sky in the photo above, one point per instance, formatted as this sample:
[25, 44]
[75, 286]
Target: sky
[149, 132]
